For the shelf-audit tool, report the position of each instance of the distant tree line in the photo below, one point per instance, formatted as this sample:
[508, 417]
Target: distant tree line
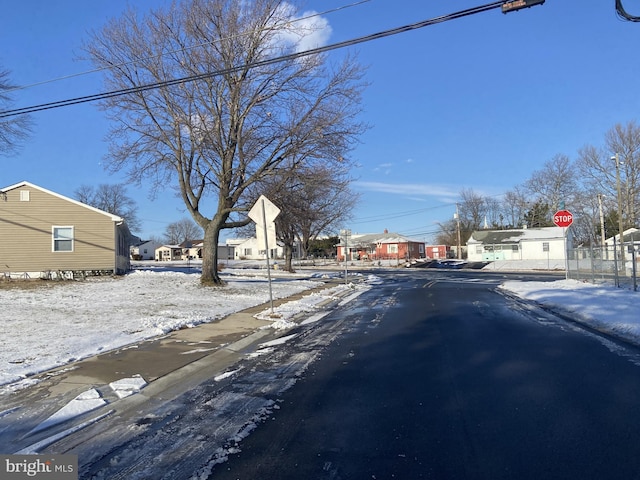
[583, 185]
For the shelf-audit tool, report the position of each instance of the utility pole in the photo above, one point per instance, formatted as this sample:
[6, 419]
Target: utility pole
[620, 222]
[457, 217]
[602, 234]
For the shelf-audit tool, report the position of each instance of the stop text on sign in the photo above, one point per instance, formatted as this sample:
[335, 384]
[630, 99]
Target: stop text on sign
[563, 218]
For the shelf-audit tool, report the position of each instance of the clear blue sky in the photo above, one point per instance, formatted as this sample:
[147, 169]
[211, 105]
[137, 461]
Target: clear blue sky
[477, 103]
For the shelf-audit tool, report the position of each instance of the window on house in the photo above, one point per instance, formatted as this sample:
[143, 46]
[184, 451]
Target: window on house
[545, 246]
[514, 248]
[392, 248]
[247, 251]
[63, 239]
[478, 249]
[24, 195]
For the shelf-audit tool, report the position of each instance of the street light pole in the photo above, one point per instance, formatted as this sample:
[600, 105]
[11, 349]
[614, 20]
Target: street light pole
[459, 246]
[620, 222]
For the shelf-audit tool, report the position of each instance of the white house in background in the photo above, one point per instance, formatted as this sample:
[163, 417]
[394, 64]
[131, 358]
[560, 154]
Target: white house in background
[144, 251]
[190, 250]
[168, 253]
[545, 243]
[251, 249]
[630, 236]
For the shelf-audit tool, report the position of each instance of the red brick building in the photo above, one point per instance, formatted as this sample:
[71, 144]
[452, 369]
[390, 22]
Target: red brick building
[439, 251]
[380, 246]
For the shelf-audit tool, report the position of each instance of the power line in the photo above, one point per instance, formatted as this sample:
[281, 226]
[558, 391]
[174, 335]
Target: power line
[133, 62]
[622, 13]
[405, 213]
[292, 56]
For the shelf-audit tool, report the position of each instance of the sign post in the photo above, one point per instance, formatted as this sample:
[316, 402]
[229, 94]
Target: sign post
[263, 213]
[564, 219]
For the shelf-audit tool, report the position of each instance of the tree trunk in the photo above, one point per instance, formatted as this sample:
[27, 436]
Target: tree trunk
[288, 256]
[210, 255]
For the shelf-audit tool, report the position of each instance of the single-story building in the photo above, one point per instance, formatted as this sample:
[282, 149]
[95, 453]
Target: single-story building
[545, 243]
[253, 249]
[189, 250]
[168, 253]
[631, 238]
[144, 250]
[380, 246]
[438, 251]
[47, 235]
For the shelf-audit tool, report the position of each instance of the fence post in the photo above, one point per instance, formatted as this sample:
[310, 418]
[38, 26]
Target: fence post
[635, 278]
[615, 263]
[592, 255]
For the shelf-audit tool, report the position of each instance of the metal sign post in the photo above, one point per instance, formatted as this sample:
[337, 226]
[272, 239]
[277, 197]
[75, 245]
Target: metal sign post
[263, 213]
[346, 234]
[266, 248]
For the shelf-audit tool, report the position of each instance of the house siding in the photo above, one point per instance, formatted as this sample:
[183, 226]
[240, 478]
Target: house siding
[525, 244]
[26, 234]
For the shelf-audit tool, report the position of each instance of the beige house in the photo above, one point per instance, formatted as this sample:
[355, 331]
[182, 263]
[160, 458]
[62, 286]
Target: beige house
[46, 235]
[169, 253]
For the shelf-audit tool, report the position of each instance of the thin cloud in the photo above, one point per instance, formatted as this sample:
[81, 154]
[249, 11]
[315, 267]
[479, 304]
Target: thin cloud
[306, 32]
[413, 189]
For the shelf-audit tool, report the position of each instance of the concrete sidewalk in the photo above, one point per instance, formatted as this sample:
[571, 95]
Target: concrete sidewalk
[170, 365]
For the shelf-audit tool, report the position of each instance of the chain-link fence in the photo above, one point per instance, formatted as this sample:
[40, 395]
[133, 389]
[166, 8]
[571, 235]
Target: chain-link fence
[604, 265]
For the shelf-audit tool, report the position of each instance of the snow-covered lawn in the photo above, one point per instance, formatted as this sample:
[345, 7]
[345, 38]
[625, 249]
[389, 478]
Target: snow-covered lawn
[604, 307]
[55, 323]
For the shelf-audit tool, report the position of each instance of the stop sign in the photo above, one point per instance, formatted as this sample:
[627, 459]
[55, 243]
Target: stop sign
[563, 218]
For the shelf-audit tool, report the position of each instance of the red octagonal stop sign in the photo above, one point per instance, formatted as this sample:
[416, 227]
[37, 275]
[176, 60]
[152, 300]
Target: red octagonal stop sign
[563, 218]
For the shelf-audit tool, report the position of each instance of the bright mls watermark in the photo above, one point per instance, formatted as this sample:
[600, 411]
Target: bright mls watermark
[51, 467]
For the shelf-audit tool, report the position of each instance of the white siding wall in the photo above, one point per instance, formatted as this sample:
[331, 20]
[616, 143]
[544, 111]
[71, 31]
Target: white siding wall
[533, 250]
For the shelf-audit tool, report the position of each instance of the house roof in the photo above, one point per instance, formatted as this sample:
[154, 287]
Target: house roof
[374, 238]
[628, 234]
[489, 237]
[22, 184]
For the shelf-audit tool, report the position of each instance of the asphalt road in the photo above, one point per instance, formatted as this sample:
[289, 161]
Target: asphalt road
[442, 377]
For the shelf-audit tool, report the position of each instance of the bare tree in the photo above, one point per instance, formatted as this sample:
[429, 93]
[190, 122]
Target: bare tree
[472, 210]
[554, 185]
[312, 201]
[112, 198]
[448, 234]
[239, 116]
[181, 231]
[494, 216]
[13, 130]
[598, 168]
[624, 140]
[514, 207]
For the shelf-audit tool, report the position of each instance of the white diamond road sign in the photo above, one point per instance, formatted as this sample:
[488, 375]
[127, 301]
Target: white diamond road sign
[270, 214]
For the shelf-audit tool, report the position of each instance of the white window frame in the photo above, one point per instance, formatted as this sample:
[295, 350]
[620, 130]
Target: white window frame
[55, 238]
[392, 248]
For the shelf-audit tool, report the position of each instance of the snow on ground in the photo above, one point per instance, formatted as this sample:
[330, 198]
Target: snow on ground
[603, 307]
[57, 323]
